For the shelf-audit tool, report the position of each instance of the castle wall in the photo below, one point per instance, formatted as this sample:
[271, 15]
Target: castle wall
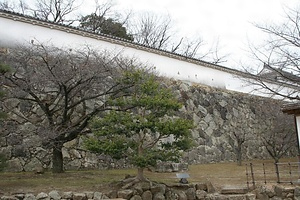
[217, 114]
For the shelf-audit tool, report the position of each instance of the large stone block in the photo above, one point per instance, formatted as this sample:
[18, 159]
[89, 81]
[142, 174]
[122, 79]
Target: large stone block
[29, 197]
[191, 193]
[79, 196]
[15, 165]
[201, 194]
[33, 165]
[136, 197]
[14, 139]
[42, 196]
[147, 195]
[54, 195]
[159, 188]
[125, 194]
[282, 191]
[159, 196]
[8, 198]
[230, 189]
[67, 195]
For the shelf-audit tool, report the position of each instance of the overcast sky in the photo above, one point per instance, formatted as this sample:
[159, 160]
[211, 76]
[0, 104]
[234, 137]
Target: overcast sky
[229, 21]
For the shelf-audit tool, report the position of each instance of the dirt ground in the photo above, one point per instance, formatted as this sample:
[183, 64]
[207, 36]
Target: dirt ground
[219, 174]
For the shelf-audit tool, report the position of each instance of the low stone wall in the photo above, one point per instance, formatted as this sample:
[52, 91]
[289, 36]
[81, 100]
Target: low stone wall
[149, 191]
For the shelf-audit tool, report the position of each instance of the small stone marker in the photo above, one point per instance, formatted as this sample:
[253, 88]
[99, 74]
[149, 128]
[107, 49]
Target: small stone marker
[183, 177]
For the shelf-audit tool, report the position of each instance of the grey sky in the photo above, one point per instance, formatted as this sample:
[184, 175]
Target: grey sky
[226, 21]
[229, 21]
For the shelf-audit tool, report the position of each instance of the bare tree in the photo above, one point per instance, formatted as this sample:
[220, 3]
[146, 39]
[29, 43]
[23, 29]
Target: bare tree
[279, 136]
[62, 89]
[158, 31]
[152, 30]
[3, 69]
[19, 6]
[279, 58]
[238, 137]
[58, 11]
[55, 10]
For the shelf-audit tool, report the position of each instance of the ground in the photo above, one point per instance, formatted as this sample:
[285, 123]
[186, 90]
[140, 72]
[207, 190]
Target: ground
[219, 174]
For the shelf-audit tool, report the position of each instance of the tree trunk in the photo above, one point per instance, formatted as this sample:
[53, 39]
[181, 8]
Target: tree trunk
[57, 159]
[239, 155]
[140, 175]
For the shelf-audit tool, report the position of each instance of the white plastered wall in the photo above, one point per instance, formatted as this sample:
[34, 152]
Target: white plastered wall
[14, 32]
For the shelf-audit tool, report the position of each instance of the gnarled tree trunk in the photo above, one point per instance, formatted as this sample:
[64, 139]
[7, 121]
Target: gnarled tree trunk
[140, 175]
[57, 159]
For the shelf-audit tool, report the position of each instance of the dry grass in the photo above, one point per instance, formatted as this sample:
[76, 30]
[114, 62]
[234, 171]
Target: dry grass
[100, 180]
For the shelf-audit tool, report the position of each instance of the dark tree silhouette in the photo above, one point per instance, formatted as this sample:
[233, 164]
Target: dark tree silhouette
[62, 90]
[58, 11]
[278, 58]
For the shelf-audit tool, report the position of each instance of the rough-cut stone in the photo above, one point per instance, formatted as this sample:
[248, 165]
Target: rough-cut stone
[297, 191]
[54, 195]
[138, 190]
[79, 196]
[144, 185]
[170, 195]
[159, 196]
[279, 198]
[14, 139]
[20, 196]
[70, 144]
[67, 195]
[262, 196]
[267, 190]
[201, 186]
[159, 188]
[42, 195]
[125, 194]
[33, 165]
[234, 197]
[230, 189]
[90, 195]
[112, 194]
[201, 194]
[20, 151]
[147, 195]
[29, 197]
[6, 151]
[181, 195]
[97, 196]
[9, 198]
[136, 197]
[250, 196]
[14, 165]
[191, 193]
[283, 191]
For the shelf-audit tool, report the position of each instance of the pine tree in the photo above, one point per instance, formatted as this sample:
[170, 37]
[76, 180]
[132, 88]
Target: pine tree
[144, 127]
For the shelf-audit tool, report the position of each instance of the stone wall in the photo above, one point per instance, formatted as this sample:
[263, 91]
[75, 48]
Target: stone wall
[147, 191]
[217, 114]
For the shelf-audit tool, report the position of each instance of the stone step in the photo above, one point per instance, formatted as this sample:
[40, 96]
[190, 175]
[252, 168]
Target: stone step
[230, 189]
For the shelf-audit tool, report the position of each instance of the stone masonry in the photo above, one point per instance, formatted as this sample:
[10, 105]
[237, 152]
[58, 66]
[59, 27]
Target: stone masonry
[156, 191]
[216, 113]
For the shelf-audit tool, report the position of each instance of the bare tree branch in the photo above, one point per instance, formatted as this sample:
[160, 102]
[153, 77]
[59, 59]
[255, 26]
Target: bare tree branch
[66, 87]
